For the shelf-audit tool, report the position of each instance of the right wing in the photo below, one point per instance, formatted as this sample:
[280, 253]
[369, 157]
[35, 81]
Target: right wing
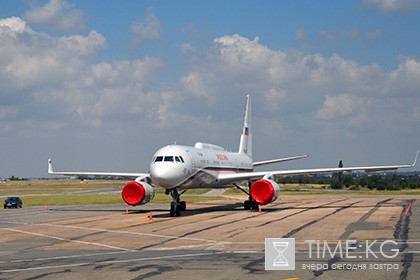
[227, 178]
[96, 174]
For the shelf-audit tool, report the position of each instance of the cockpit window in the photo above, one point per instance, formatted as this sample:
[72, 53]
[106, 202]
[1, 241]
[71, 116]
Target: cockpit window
[159, 159]
[169, 158]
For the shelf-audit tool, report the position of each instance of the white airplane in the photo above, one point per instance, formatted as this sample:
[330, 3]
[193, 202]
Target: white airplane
[177, 168]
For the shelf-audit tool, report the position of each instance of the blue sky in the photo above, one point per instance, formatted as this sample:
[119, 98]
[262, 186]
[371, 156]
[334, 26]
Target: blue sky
[101, 87]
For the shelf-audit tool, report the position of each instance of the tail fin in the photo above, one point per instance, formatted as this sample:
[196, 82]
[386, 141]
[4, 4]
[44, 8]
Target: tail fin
[50, 169]
[245, 145]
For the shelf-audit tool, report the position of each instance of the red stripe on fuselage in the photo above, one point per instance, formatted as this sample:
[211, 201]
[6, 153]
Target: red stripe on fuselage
[210, 168]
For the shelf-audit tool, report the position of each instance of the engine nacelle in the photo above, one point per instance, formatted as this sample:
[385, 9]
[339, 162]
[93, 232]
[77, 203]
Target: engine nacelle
[136, 193]
[264, 191]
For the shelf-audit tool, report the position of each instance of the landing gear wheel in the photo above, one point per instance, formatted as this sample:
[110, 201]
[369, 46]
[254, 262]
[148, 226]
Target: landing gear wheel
[183, 206]
[175, 211]
[250, 205]
[176, 205]
[247, 205]
[172, 211]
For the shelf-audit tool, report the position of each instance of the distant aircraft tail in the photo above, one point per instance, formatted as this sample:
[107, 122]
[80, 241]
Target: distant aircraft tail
[50, 169]
[245, 145]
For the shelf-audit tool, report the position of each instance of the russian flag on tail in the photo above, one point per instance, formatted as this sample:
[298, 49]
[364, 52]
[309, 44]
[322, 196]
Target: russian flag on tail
[246, 131]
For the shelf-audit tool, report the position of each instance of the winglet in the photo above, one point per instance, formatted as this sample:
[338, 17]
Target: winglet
[415, 159]
[50, 169]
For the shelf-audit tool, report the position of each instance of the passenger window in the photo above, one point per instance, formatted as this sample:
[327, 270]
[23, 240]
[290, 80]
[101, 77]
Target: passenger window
[159, 159]
[169, 158]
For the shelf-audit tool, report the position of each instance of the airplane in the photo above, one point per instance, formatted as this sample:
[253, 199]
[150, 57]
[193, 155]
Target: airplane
[178, 168]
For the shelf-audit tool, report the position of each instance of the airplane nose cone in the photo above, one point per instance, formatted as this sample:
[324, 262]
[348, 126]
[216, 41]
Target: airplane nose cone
[166, 175]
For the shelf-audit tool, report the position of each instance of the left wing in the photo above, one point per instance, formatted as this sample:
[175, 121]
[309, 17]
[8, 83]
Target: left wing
[96, 174]
[233, 177]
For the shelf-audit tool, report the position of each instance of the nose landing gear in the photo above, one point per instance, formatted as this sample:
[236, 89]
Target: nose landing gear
[176, 205]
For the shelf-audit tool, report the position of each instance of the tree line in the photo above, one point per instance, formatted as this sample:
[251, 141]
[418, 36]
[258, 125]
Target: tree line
[375, 181]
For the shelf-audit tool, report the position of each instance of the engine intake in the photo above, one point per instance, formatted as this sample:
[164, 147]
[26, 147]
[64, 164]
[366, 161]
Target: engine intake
[136, 193]
[264, 191]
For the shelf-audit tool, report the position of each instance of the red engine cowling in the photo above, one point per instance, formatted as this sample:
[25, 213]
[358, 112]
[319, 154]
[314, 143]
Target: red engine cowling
[136, 193]
[264, 191]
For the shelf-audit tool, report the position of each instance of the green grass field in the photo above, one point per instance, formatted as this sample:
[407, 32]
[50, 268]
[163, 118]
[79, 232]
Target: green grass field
[67, 192]
[313, 189]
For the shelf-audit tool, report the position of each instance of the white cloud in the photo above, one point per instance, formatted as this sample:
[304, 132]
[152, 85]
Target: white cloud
[30, 59]
[42, 72]
[342, 105]
[147, 28]
[302, 87]
[50, 86]
[193, 84]
[56, 14]
[14, 25]
[392, 6]
[405, 81]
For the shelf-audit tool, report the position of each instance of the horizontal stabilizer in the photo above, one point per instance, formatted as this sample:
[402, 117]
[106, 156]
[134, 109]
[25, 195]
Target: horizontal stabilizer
[259, 163]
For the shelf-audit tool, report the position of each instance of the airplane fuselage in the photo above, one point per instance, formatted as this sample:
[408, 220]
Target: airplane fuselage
[186, 167]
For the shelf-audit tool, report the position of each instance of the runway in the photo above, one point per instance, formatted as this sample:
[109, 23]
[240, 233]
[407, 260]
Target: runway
[212, 240]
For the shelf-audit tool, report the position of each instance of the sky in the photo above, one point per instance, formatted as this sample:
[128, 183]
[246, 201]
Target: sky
[101, 87]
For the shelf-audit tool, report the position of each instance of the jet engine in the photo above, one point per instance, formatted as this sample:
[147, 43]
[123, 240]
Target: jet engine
[264, 191]
[137, 192]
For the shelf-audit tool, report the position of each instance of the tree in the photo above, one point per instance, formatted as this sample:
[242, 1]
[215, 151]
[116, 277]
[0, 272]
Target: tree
[347, 181]
[340, 174]
[336, 185]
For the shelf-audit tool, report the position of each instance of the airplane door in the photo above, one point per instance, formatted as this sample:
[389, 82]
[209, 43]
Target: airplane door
[193, 165]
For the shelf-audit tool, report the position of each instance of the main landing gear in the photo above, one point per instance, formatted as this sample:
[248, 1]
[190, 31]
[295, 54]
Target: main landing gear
[176, 205]
[249, 204]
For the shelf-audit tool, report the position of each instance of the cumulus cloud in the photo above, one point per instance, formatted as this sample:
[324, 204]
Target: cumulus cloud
[393, 6]
[52, 83]
[43, 76]
[13, 26]
[56, 14]
[303, 87]
[147, 28]
[404, 81]
[31, 59]
[344, 105]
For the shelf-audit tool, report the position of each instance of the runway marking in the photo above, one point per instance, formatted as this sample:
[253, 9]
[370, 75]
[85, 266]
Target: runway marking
[110, 262]
[66, 239]
[122, 232]
[408, 208]
[179, 247]
[68, 257]
[246, 252]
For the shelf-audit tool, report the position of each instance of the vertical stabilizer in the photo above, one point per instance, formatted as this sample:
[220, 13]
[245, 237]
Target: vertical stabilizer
[245, 146]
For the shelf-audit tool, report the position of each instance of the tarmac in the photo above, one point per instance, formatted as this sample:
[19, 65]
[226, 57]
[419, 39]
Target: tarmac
[213, 240]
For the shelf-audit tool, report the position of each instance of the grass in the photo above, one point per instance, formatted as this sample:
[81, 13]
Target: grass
[296, 189]
[53, 187]
[350, 192]
[60, 192]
